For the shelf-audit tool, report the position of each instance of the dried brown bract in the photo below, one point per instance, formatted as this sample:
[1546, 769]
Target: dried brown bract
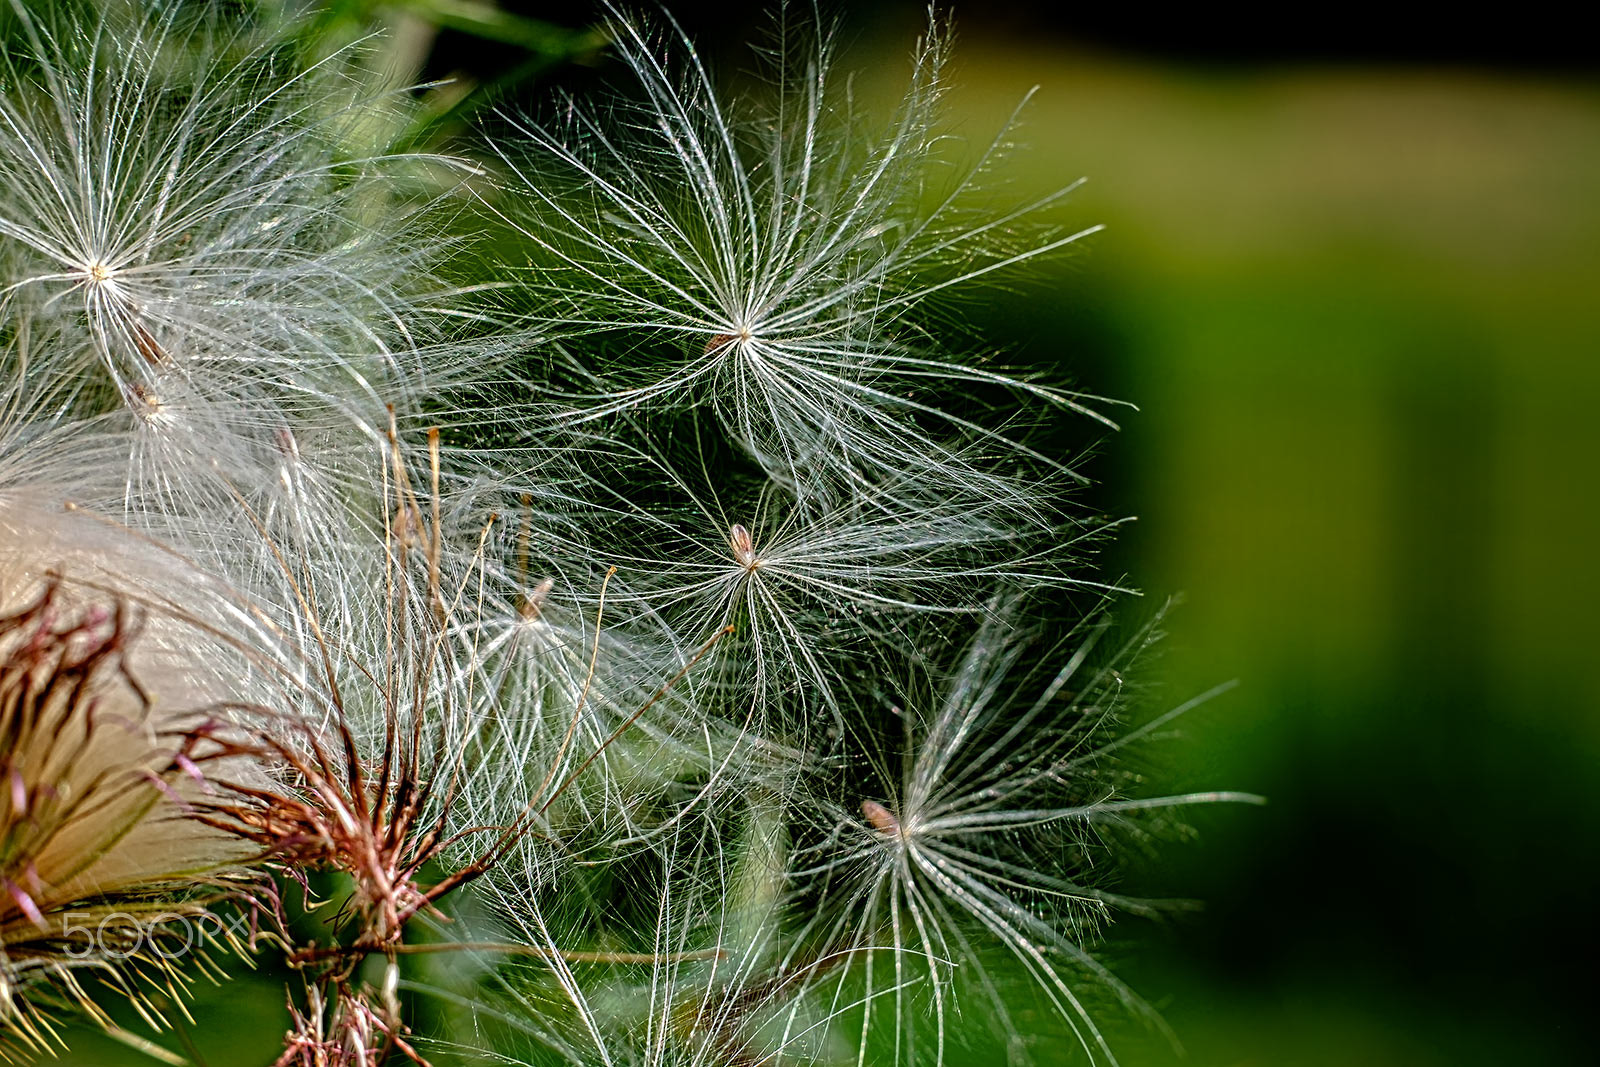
[383, 811]
[99, 867]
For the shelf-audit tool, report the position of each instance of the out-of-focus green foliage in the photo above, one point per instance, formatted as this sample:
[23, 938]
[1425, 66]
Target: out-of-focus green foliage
[1357, 309]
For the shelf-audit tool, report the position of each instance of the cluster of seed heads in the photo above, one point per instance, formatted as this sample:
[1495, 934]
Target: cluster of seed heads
[636, 636]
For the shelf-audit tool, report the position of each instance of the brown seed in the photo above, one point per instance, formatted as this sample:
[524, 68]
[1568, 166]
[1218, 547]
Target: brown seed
[533, 602]
[723, 340]
[744, 549]
[881, 818]
[148, 346]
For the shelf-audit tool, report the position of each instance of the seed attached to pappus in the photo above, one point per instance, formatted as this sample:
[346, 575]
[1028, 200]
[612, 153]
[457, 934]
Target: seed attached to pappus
[532, 603]
[407, 524]
[744, 549]
[145, 401]
[723, 340]
[881, 818]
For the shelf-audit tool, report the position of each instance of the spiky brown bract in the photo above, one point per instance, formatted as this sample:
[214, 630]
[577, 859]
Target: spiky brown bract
[350, 1031]
[368, 753]
[374, 809]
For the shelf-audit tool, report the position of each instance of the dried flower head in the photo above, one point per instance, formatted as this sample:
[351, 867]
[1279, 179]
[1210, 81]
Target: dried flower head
[368, 753]
[100, 867]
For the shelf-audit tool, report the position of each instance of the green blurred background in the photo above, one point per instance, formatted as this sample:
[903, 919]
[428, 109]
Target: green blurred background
[1357, 299]
[1352, 280]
